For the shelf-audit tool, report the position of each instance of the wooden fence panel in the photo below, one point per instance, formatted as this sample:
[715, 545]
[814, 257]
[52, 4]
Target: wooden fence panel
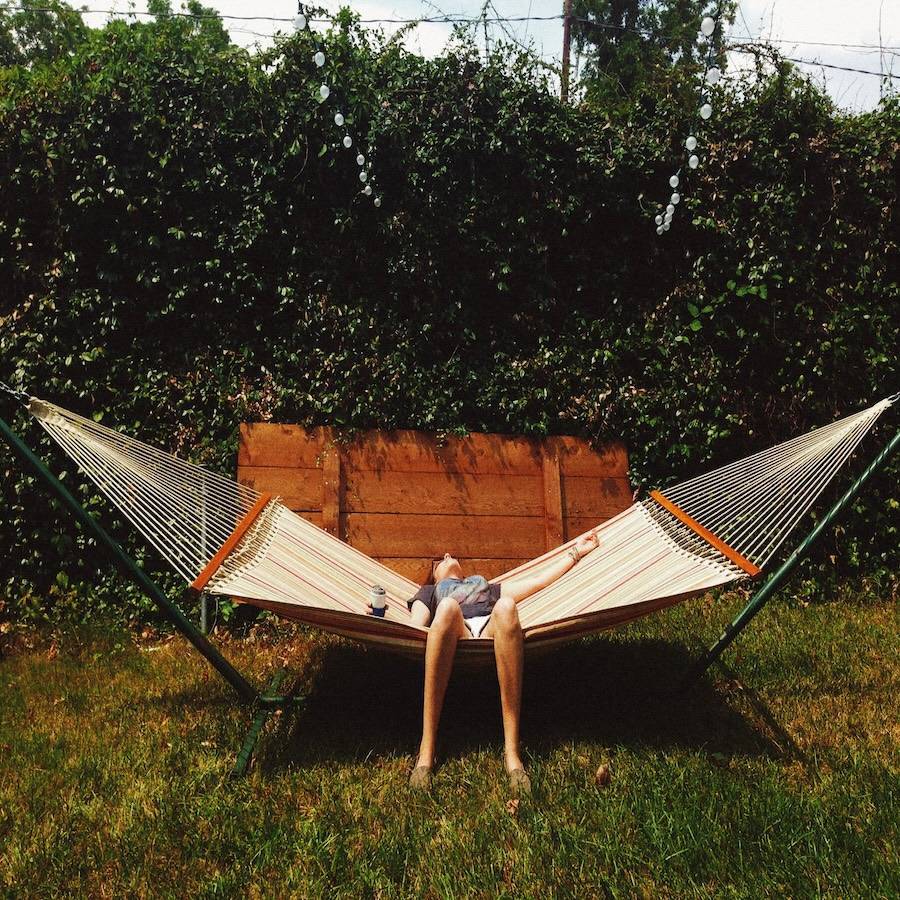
[406, 498]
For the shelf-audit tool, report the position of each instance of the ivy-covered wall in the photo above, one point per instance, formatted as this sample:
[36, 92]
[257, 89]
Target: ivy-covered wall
[183, 246]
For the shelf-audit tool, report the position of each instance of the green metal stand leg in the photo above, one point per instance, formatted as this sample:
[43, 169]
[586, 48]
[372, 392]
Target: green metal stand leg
[259, 720]
[207, 612]
[245, 690]
[760, 598]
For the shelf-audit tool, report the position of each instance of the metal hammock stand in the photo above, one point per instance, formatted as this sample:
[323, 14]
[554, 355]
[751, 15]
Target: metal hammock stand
[262, 703]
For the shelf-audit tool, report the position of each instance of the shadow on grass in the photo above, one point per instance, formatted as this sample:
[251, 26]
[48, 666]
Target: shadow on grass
[366, 704]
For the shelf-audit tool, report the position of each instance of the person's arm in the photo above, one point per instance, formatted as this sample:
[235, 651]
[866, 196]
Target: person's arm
[420, 614]
[520, 588]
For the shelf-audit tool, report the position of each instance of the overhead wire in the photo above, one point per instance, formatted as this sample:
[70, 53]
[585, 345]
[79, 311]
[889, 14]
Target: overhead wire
[442, 19]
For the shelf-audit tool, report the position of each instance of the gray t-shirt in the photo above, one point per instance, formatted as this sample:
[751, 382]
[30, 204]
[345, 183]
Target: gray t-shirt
[476, 595]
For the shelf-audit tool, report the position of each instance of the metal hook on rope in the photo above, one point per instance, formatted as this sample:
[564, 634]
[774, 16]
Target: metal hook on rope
[21, 396]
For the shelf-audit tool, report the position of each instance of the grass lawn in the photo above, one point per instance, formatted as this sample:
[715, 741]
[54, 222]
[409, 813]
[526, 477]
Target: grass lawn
[115, 754]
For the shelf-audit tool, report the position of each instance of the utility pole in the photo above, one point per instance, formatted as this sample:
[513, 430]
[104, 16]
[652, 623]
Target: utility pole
[567, 33]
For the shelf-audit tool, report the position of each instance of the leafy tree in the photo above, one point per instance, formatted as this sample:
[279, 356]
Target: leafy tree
[184, 246]
[201, 22]
[39, 32]
[629, 46]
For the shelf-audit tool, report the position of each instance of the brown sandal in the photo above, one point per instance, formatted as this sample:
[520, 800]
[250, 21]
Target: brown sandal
[420, 779]
[519, 782]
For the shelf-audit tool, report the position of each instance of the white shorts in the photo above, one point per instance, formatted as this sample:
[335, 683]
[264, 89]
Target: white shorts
[476, 624]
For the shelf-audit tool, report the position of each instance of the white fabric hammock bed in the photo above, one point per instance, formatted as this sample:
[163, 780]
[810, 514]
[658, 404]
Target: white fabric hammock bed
[228, 539]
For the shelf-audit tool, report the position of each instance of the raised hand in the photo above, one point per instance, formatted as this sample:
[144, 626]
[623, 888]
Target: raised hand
[586, 544]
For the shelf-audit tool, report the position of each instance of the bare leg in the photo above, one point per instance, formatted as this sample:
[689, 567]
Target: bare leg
[440, 648]
[506, 631]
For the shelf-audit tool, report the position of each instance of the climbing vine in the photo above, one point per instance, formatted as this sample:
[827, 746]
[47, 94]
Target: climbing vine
[183, 246]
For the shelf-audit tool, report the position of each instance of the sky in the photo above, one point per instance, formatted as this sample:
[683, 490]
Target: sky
[804, 29]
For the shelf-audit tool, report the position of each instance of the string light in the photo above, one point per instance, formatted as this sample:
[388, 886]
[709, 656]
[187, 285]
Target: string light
[301, 23]
[711, 76]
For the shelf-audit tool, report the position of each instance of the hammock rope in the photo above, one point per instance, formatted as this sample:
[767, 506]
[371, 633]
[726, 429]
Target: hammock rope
[696, 535]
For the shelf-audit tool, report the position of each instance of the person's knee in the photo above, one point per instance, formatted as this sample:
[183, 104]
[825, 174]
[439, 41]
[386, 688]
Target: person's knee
[506, 615]
[447, 615]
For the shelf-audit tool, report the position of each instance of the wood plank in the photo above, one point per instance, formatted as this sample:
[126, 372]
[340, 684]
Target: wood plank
[578, 525]
[413, 451]
[297, 488]
[443, 493]
[332, 490]
[493, 537]
[554, 528]
[434, 492]
[577, 457]
[268, 444]
[600, 498]
[417, 568]
[314, 517]
[231, 542]
[737, 558]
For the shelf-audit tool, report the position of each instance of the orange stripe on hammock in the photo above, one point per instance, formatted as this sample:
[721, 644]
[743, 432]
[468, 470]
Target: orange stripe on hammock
[215, 563]
[720, 545]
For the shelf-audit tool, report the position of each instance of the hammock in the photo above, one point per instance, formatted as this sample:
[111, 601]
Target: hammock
[229, 539]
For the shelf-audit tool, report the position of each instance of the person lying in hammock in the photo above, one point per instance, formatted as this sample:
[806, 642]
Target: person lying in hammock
[454, 608]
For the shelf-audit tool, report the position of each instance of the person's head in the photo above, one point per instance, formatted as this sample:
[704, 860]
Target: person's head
[446, 567]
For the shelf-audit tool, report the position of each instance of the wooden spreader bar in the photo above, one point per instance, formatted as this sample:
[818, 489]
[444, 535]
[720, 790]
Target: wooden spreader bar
[720, 545]
[215, 563]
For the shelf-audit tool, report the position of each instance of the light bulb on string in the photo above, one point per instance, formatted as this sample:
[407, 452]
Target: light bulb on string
[659, 228]
[711, 76]
[367, 190]
[363, 176]
[324, 92]
[348, 141]
[360, 160]
[338, 119]
[300, 22]
[377, 202]
[319, 59]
